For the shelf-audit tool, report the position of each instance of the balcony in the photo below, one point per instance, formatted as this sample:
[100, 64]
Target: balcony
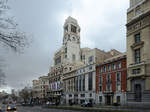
[136, 70]
[137, 45]
[108, 92]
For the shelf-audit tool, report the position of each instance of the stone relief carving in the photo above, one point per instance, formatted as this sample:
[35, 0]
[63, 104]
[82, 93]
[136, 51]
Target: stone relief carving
[138, 25]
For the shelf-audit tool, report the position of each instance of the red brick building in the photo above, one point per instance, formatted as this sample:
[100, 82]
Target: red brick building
[111, 80]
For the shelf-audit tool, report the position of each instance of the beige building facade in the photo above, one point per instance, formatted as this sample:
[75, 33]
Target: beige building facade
[73, 76]
[36, 89]
[79, 80]
[40, 87]
[55, 83]
[138, 52]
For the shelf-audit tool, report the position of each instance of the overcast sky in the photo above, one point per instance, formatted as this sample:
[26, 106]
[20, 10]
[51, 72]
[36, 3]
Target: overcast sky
[102, 25]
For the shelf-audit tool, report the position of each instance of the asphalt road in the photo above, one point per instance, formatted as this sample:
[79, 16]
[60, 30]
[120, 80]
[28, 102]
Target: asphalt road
[39, 109]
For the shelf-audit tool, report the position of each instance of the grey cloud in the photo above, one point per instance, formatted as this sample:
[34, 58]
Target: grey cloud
[44, 20]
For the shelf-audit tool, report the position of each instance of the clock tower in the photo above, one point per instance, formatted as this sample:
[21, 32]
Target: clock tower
[71, 41]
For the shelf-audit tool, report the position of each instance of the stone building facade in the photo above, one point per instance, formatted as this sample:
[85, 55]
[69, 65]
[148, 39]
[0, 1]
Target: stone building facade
[44, 83]
[68, 54]
[80, 81]
[55, 84]
[111, 81]
[138, 52]
[75, 68]
[36, 89]
[40, 87]
[69, 87]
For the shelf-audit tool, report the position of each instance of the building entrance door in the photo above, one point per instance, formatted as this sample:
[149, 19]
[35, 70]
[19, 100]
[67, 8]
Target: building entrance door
[108, 100]
[138, 92]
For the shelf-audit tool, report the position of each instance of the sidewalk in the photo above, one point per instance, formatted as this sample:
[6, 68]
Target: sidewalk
[124, 107]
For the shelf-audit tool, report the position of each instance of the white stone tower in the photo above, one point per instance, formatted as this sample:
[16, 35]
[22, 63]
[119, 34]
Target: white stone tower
[71, 41]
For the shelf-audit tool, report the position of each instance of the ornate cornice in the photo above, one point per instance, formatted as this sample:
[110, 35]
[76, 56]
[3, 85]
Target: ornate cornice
[138, 23]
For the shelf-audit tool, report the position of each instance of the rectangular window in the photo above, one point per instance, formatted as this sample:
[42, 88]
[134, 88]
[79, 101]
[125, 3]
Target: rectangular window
[137, 56]
[82, 57]
[58, 60]
[90, 59]
[137, 38]
[118, 81]
[118, 77]
[138, 11]
[76, 84]
[108, 80]
[90, 67]
[100, 88]
[90, 95]
[83, 69]
[66, 28]
[104, 68]
[82, 101]
[76, 95]
[119, 65]
[100, 80]
[80, 83]
[100, 99]
[133, 71]
[109, 68]
[73, 57]
[136, 71]
[100, 83]
[101, 69]
[73, 29]
[83, 82]
[90, 81]
[66, 56]
[66, 50]
[113, 66]
[82, 95]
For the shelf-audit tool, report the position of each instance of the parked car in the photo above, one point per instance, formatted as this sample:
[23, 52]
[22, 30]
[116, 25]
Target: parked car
[86, 104]
[11, 107]
[27, 104]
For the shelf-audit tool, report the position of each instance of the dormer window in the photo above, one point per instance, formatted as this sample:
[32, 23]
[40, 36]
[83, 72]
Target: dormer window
[73, 29]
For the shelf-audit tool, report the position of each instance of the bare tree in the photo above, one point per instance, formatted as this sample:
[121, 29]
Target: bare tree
[9, 34]
[26, 94]
[2, 78]
[2, 74]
